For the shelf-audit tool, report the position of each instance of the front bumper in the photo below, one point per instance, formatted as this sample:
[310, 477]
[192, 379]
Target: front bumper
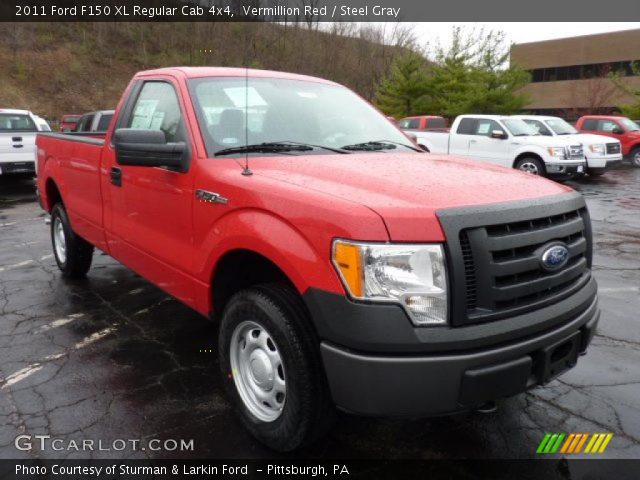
[604, 163]
[7, 168]
[561, 168]
[435, 371]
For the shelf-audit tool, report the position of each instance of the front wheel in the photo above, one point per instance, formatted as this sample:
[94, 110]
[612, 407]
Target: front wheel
[271, 365]
[635, 157]
[73, 254]
[530, 165]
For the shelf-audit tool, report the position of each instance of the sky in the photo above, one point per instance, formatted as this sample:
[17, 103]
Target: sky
[520, 32]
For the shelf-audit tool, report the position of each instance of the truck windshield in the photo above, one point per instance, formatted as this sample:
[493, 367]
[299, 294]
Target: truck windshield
[11, 122]
[518, 128]
[630, 125]
[560, 127]
[234, 112]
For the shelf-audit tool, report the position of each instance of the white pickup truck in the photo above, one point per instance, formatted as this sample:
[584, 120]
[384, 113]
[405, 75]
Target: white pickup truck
[507, 141]
[18, 129]
[602, 152]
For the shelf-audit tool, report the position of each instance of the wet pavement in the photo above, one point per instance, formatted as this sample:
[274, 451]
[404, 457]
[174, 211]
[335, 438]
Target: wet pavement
[112, 357]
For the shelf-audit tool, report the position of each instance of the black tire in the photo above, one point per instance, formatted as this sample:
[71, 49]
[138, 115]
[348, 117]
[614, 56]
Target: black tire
[78, 253]
[635, 157]
[531, 165]
[308, 410]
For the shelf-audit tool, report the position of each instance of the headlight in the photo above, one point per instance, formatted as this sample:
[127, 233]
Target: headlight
[557, 152]
[411, 275]
[599, 149]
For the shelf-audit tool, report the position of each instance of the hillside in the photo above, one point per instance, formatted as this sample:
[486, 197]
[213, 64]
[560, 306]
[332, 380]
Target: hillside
[57, 68]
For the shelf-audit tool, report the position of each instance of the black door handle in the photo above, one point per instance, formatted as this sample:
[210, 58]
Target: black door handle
[116, 176]
[16, 139]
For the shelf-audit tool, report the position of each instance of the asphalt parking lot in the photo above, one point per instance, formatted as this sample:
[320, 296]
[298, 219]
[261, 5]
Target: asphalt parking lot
[112, 357]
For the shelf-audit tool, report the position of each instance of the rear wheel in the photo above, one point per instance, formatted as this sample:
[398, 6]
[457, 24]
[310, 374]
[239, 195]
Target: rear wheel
[271, 366]
[530, 165]
[635, 157]
[73, 254]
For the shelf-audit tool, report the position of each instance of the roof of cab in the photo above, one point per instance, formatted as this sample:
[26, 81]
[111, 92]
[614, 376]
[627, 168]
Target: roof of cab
[15, 111]
[199, 72]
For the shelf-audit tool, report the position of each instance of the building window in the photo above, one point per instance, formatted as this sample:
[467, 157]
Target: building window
[579, 72]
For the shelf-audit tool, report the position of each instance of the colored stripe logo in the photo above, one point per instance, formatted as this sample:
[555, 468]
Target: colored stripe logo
[573, 443]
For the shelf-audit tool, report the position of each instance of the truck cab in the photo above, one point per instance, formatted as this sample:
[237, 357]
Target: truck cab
[423, 123]
[621, 128]
[602, 153]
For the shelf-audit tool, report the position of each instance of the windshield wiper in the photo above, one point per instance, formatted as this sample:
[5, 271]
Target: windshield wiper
[323, 147]
[376, 145]
[267, 147]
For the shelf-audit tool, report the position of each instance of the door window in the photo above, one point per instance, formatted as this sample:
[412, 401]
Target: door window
[486, 126]
[467, 126]
[539, 127]
[608, 126]
[590, 124]
[157, 108]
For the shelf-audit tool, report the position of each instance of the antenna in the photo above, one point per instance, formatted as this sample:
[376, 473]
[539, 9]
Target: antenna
[246, 171]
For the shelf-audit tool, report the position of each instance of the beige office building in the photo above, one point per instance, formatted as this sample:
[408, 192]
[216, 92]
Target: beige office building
[569, 75]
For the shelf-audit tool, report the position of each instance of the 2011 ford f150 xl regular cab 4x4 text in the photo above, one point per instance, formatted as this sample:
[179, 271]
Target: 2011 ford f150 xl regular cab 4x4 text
[345, 266]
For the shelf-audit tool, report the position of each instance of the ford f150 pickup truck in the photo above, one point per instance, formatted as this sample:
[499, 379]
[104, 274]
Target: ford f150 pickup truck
[620, 128]
[601, 152]
[18, 130]
[424, 122]
[345, 266]
[508, 142]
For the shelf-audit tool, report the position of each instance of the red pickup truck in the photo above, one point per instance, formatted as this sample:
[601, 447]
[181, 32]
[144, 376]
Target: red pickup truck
[345, 267]
[621, 128]
[424, 122]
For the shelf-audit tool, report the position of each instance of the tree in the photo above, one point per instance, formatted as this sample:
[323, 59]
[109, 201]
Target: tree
[631, 109]
[473, 76]
[470, 76]
[402, 92]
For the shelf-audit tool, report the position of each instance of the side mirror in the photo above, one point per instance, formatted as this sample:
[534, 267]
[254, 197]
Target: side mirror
[148, 148]
[499, 134]
[617, 131]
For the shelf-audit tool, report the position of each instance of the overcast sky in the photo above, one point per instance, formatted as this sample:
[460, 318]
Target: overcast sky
[520, 32]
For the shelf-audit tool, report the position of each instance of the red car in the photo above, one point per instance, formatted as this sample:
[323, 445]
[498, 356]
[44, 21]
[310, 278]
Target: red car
[345, 267]
[424, 122]
[621, 128]
[68, 123]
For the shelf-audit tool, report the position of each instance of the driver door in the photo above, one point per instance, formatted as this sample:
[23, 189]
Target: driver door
[149, 213]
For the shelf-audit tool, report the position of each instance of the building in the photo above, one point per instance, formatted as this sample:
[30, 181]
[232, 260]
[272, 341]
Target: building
[570, 75]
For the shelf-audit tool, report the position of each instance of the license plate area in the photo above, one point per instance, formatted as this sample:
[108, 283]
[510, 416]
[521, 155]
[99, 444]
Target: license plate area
[559, 357]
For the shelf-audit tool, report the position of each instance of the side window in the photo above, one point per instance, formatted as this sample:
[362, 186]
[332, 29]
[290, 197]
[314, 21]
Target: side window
[103, 124]
[607, 125]
[539, 127]
[414, 123]
[486, 126]
[84, 125]
[467, 126]
[590, 124]
[437, 123]
[157, 108]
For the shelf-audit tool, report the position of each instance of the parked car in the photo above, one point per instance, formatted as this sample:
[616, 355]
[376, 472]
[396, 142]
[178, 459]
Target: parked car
[94, 121]
[509, 142]
[17, 141]
[343, 269]
[601, 152]
[68, 123]
[423, 122]
[620, 128]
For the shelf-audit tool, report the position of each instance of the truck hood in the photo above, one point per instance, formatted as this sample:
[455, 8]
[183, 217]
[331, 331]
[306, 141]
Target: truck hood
[406, 189]
[588, 139]
[544, 141]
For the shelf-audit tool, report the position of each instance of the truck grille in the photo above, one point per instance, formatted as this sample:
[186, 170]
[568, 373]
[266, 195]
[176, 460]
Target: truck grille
[613, 148]
[575, 152]
[500, 267]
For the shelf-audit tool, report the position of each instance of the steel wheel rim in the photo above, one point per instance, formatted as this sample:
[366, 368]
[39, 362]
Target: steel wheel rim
[258, 371]
[59, 240]
[636, 158]
[530, 167]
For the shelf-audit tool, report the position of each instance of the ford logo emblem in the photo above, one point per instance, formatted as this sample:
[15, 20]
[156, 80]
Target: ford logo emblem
[554, 257]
